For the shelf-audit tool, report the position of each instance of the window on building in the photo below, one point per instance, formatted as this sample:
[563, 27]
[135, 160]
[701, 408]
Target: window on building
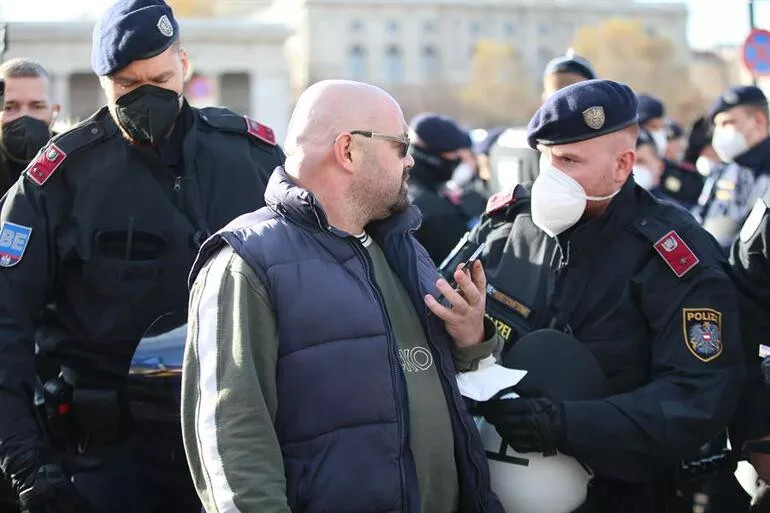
[86, 95]
[392, 26]
[356, 26]
[509, 29]
[475, 28]
[542, 29]
[357, 63]
[394, 65]
[235, 92]
[431, 63]
[429, 26]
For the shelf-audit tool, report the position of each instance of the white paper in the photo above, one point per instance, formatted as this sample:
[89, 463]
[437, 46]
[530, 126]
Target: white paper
[488, 380]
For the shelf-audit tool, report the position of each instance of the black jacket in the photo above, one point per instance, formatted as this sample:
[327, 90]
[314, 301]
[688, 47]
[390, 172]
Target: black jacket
[112, 230]
[443, 223]
[676, 380]
[750, 259]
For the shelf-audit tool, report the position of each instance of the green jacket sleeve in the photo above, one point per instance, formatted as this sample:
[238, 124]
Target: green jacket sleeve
[229, 394]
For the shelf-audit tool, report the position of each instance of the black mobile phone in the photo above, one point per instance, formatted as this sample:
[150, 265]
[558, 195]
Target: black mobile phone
[466, 266]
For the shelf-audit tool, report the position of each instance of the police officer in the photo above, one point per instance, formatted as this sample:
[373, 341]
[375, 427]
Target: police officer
[437, 146]
[680, 183]
[587, 251]
[740, 140]
[28, 111]
[104, 226]
[750, 259]
[676, 141]
[565, 70]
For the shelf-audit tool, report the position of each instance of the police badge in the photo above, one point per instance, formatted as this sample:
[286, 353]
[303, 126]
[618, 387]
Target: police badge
[703, 332]
[594, 117]
[165, 27]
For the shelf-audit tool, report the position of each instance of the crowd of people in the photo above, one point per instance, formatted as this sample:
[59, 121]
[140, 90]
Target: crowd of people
[381, 316]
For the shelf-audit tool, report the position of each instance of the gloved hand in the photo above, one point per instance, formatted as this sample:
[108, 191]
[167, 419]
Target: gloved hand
[44, 487]
[528, 425]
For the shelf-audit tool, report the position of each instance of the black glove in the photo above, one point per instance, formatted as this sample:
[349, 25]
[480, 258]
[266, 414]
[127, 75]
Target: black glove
[528, 425]
[44, 487]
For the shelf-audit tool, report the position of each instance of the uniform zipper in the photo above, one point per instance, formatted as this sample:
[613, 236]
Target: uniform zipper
[395, 367]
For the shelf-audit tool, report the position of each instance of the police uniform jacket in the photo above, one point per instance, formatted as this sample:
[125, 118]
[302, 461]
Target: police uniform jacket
[645, 289]
[750, 259]
[732, 190]
[105, 232]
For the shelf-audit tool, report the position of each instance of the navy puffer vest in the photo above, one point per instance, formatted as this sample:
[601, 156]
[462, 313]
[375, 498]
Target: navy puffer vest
[343, 417]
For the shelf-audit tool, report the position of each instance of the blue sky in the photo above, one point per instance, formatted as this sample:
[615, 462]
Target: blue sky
[712, 22]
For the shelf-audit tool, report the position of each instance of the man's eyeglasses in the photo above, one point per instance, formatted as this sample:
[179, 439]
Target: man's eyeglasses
[403, 140]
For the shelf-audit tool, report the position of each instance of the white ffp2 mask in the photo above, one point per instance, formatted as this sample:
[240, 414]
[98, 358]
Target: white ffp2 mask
[729, 143]
[558, 200]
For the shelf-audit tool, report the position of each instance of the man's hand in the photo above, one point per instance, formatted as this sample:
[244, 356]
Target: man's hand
[527, 425]
[464, 320]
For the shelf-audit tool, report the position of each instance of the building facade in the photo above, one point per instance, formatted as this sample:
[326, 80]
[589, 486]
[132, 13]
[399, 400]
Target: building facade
[419, 42]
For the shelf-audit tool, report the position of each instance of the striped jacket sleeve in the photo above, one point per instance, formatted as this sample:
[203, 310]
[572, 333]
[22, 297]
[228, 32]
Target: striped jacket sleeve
[229, 393]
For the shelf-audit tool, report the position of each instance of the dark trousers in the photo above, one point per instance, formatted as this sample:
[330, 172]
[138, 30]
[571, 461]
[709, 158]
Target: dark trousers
[147, 473]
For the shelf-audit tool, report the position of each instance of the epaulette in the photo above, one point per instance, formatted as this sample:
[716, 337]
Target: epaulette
[53, 154]
[224, 119]
[669, 245]
[497, 203]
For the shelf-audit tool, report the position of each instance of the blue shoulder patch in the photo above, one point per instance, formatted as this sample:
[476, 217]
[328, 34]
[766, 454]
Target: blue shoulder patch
[13, 241]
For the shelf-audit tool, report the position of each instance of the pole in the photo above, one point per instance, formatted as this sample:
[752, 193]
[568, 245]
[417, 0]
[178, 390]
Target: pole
[751, 27]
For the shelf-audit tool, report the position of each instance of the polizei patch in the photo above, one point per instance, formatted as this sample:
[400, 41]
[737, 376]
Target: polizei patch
[703, 332]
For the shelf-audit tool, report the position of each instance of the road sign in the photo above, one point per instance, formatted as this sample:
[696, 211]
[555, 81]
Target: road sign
[756, 52]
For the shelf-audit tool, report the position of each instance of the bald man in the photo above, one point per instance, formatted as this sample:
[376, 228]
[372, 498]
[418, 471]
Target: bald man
[587, 251]
[318, 373]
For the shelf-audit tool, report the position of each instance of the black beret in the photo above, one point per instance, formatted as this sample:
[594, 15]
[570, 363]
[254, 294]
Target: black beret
[738, 95]
[649, 108]
[570, 63]
[583, 111]
[645, 139]
[439, 133]
[130, 30]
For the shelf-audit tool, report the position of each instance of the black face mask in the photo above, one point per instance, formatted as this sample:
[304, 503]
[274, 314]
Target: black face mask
[440, 169]
[23, 137]
[147, 113]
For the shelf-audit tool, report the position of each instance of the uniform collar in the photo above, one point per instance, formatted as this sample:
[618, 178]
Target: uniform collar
[758, 157]
[589, 235]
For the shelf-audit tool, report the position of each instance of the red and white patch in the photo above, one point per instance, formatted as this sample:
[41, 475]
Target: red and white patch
[260, 131]
[49, 158]
[676, 253]
[499, 201]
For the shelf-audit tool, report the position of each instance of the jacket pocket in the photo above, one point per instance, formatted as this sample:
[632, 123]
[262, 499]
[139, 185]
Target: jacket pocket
[125, 265]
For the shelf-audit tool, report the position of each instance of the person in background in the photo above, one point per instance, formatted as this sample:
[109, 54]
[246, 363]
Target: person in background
[676, 141]
[28, 113]
[741, 141]
[565, 70]
[438, 144]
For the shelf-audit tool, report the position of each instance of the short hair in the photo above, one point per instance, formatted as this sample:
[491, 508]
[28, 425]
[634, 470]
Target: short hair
[21, 67]
[761, 108]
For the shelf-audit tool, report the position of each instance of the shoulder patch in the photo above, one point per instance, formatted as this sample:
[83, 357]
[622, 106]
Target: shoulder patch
[676, 253]
[47, 161]
[499, 201]
[749, 227]
[13, 242]
[703, 332]
[260, 131]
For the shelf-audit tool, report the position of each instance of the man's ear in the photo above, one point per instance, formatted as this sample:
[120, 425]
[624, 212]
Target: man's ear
[343, 149]
[624, 165]
[55, 110]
